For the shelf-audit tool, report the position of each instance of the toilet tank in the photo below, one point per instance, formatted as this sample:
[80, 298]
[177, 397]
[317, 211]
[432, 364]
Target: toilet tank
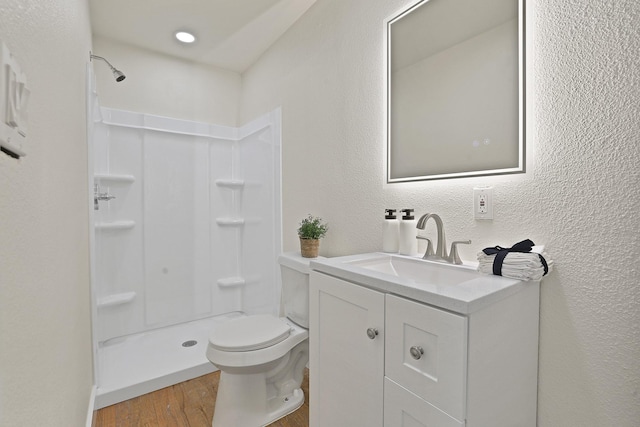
[294, 271]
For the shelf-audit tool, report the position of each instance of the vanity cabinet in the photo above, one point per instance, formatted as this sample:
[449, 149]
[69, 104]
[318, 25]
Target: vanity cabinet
[425, 366]
[346, 360]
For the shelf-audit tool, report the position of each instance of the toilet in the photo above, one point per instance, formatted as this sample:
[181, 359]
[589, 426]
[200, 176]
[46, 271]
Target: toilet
[262, 357]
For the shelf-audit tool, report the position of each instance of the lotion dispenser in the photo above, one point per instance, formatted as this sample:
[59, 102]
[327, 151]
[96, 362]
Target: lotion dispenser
[408, 243]
[390, 232]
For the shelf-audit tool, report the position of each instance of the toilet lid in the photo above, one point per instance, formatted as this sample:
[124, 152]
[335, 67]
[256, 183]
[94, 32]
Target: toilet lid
[249, 333]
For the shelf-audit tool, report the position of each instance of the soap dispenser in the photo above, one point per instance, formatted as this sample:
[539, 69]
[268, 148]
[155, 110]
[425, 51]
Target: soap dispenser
[408, 244]
[390, 232]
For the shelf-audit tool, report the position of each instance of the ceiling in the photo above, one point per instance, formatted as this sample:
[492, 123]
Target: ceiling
[230, 34]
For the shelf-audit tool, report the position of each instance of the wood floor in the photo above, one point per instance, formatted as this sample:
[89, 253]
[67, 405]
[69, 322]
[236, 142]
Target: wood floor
[188, 404]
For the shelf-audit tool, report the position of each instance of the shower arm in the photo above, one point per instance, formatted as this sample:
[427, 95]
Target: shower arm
[92, 56]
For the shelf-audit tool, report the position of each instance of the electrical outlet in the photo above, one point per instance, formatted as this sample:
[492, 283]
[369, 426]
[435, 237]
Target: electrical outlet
[483, 203]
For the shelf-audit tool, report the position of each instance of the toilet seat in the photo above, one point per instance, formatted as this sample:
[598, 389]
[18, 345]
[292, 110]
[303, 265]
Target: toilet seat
[225, 359]
[249, 333]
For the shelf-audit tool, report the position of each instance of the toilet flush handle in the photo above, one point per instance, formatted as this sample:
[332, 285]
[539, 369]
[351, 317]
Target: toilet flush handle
[372, 333]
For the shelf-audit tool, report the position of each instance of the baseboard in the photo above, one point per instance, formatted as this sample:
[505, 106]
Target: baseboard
[91, 408]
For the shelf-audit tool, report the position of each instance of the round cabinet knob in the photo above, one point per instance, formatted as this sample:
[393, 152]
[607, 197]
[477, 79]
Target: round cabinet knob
[372, 333]
[416, 352]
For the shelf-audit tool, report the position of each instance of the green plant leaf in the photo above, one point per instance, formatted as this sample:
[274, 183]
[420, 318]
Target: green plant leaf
[312, 228]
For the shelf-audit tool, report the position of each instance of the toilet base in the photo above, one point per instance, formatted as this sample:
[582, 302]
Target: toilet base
[241, 402]
[286, 406]
[260, 398]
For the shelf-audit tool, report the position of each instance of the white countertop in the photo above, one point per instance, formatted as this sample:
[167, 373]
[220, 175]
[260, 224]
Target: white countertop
[466, 292]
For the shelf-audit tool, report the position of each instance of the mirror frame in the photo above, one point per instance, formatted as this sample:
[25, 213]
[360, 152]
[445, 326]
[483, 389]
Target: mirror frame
[521, 167]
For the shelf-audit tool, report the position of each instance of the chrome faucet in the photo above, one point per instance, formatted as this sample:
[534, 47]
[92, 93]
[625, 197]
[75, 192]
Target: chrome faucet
[441, 249]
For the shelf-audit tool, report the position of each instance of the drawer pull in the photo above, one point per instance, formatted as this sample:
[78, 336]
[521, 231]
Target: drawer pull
[372, 333]
[416, 352]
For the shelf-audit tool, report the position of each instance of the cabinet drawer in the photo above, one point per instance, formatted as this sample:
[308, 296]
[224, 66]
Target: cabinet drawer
[404, 409]
[436, 371]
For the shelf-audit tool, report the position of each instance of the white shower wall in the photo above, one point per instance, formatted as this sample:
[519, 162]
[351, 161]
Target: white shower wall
[194, 229]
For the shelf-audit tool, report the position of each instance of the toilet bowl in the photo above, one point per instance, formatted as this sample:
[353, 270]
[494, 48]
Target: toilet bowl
[262, 357]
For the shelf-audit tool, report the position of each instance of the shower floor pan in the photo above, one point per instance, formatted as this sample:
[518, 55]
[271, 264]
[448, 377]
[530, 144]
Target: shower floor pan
[141, 363]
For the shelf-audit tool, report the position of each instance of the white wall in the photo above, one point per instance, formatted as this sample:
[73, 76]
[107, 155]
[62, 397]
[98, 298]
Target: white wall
[45, 324]
[165, 86]
[579, 195]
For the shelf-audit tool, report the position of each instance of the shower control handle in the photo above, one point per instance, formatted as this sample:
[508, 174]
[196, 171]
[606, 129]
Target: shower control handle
[98, 196]
[372, 333]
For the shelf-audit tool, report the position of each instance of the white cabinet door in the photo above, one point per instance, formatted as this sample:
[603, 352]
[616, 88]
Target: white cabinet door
[346, 365]
[426, 353]
[404, 409]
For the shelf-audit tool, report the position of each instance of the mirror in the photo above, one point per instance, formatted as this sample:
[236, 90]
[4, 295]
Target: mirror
[455, 79]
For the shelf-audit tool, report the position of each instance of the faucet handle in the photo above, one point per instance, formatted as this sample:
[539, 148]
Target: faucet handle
[454, 258]
[429, 252]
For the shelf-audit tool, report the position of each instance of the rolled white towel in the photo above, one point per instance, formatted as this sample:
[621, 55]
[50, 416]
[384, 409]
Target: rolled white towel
[518, 265]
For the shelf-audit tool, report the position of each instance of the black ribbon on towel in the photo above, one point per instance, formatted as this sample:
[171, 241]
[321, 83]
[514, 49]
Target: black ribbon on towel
[501, 253]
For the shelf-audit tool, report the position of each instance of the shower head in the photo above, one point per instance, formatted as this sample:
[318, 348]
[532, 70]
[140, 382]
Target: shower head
[119, 75]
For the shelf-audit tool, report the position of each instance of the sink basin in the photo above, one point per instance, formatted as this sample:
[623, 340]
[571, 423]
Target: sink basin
[459, 288]
[416, 269]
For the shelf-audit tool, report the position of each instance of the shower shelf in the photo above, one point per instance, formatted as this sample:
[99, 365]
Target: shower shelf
[114, 178]
[231, 282]
[116, 299]
[230, 222]
[230, 183]
[115, 225]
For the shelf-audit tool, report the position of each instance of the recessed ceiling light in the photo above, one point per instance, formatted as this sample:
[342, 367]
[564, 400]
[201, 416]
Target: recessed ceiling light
[185, 37]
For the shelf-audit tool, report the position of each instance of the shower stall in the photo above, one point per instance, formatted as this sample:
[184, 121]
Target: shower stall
[187, 230]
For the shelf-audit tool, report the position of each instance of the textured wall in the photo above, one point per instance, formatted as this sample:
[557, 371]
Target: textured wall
[166, 86]
[45, 338]
[579, 195]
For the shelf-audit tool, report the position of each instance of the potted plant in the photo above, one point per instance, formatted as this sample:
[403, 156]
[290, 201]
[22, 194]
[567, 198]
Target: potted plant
[311, 230]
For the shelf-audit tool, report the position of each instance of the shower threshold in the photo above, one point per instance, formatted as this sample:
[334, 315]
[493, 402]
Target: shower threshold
[137, 364]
